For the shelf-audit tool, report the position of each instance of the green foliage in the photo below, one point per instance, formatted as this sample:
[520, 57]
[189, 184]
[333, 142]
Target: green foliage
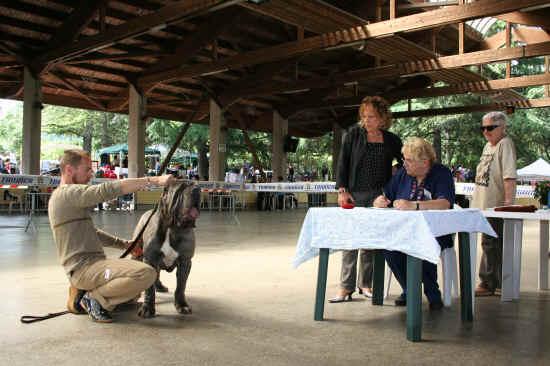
[11, 130]
[197, 136]
[541, 191]
[312, 154]
[97, 129]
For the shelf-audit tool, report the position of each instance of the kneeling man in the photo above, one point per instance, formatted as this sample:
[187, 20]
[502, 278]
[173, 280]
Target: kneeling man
[422, 184]
[102, 283]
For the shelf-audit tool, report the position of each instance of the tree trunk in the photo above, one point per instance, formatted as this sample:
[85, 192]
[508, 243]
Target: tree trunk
[87, 137]
[202, 159]
[437, 144]
[105, 130]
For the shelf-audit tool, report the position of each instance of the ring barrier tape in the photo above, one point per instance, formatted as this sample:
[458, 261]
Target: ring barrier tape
[19, 180]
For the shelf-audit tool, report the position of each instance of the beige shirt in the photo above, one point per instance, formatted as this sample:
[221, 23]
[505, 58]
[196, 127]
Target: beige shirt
[78, 241]
[496, 164]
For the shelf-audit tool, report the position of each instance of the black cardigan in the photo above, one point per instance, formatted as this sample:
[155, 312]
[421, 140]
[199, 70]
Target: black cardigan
[351, 153]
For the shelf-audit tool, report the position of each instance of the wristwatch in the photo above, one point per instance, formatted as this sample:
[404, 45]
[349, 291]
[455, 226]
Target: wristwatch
[147, 181]
[417, 205]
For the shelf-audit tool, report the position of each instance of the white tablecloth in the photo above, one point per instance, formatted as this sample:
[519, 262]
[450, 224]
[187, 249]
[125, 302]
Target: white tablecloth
[410, 232]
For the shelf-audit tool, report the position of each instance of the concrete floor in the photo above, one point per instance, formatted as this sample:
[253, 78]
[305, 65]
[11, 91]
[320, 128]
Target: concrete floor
[251, 308]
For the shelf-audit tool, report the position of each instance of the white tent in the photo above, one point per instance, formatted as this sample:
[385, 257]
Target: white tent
[539, 170]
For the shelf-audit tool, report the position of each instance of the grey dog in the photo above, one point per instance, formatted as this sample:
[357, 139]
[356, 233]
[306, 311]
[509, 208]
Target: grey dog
[169, 240]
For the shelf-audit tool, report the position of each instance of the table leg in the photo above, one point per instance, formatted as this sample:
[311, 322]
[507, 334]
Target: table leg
[378, 278]
[414, 299]
[465, 268]
[321, 284]
[511, 264]
[543, 255]
[518, 241]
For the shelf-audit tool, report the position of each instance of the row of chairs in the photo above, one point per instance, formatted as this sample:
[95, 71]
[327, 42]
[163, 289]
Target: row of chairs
[221, 199]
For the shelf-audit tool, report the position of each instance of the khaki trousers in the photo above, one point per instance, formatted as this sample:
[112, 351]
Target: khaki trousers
[350, 277]
[114, 281]
[490, 267]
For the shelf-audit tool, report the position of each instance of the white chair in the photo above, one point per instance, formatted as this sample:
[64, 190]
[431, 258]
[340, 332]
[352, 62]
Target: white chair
[14, 200]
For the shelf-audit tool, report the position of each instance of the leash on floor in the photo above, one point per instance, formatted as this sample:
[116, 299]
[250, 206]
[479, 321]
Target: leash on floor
[27, 319]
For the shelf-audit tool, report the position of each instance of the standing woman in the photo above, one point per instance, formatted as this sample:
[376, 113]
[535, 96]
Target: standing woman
[364, 167]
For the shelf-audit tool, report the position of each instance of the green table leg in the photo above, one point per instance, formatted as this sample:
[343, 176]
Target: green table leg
[414, 299]
[465, 277]
[321, 284]
[378, 278]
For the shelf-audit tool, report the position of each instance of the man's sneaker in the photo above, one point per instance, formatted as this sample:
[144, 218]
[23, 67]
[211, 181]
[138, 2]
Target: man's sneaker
[73, 304]
[94, 309]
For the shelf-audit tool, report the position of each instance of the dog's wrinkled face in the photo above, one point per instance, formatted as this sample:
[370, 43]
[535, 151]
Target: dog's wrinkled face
[180, 202]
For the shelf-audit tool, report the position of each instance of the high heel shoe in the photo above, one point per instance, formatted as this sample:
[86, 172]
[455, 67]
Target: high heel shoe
[341, 298]
[367, 292]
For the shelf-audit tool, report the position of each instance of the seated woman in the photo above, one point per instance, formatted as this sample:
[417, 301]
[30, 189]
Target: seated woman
[422, 184]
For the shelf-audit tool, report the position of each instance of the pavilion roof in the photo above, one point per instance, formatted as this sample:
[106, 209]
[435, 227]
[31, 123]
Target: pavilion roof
[310, 60]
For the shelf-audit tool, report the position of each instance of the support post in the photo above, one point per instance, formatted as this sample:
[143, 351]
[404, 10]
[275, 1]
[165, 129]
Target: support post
[136, 134]
[278, 157]
[218, 133]
[32, 123]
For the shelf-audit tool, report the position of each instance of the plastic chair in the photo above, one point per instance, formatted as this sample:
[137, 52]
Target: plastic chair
[17, 201]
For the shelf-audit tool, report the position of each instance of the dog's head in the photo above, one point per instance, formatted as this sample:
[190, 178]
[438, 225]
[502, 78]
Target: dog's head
[180, 203]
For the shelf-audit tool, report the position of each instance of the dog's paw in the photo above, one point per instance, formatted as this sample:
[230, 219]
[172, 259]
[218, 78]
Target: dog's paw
[146, 311]
[184, 308]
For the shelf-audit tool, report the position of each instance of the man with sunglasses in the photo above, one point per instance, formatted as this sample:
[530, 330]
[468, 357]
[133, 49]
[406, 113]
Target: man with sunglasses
[495, 185]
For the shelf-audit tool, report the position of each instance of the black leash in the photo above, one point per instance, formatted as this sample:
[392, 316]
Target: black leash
[27, 319]
[139, 235]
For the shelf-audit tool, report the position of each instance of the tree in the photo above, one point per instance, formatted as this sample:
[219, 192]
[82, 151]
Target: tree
[97, 129]
[11, 131]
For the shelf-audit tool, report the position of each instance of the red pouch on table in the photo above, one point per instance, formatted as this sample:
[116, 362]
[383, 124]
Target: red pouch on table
[517, 208]
[348, 205]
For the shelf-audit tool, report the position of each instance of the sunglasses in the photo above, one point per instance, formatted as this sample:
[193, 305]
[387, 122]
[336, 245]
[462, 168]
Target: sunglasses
[489, 128]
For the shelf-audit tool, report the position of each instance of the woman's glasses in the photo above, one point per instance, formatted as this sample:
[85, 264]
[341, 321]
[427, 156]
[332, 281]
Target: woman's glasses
[489, 128]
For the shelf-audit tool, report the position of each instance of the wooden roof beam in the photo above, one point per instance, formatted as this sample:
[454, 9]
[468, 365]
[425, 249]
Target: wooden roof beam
[347, 37]
[204, 35]
[539, 18]
[427, 5]
[186, 49]
[531, 103]
[313, 15]
[79, 19]
[402, 69]
[489, 87]
[74, 88]
[169, 14]
[117, 56]
[519, 33]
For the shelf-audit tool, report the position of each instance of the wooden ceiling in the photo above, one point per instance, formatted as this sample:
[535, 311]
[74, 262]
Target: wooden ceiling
[310, 60]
